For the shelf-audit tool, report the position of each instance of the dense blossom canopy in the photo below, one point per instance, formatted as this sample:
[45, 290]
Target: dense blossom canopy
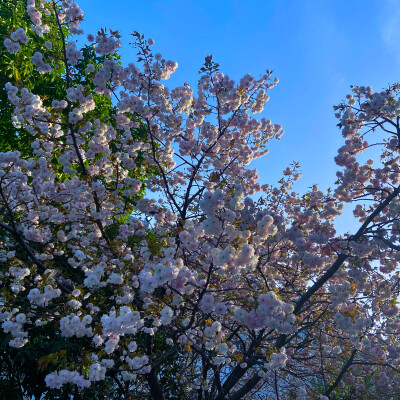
[183, 283]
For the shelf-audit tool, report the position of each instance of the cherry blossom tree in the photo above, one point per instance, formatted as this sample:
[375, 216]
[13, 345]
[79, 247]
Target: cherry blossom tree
[20, 375]
[211, 285]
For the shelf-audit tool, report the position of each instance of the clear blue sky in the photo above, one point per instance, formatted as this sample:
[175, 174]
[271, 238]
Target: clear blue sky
[317, 48]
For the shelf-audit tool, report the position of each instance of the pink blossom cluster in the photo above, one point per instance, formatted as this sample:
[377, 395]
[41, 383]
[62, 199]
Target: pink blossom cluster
[73, 16]
[19, 274]
[278, 360]
[138, 364]
[57, 379]
[72, 324]
[153, 276]
[11, 44]
[42, 299]
[73, 55]
[42, 67]
[14, 326]
[19, 36]
[127, 322]
[36, 16]
[33, 12]
[271, 313]
[106, 45]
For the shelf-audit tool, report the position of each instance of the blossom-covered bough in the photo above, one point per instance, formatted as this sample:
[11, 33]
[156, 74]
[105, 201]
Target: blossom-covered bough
[198, 289]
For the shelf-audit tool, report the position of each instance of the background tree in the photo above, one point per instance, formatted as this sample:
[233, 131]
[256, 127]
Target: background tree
[197, 290]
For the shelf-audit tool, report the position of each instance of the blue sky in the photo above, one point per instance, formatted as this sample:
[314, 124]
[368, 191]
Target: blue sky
[317, 48]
